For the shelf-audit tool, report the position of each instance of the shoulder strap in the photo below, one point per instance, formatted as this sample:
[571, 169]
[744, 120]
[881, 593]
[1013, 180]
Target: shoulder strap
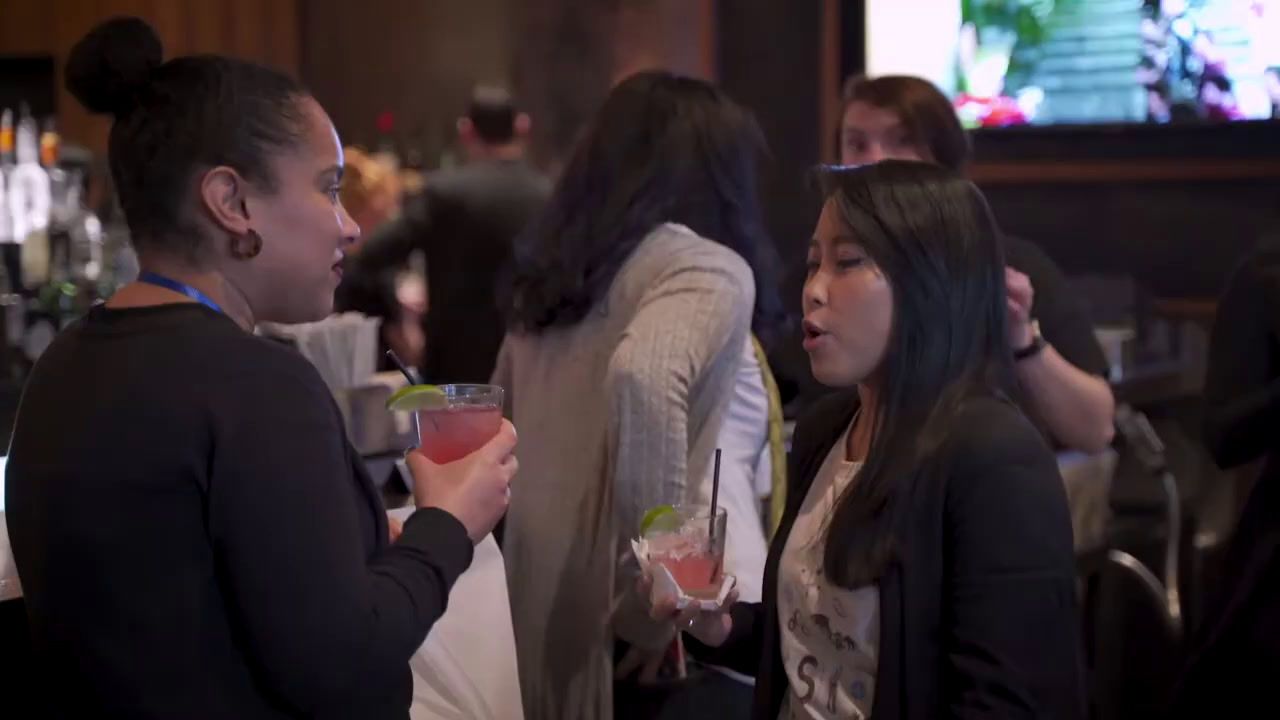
[777, 443]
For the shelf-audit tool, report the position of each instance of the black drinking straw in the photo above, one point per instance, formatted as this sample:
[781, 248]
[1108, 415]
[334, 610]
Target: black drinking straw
[413, 380]
[408, 374]
[715, 495]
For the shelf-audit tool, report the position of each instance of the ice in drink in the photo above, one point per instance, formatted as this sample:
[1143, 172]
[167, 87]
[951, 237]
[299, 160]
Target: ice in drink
[453, 420]
[683, 544]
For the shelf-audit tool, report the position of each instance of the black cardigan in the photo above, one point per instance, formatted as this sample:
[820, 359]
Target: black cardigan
[978, 616]
[197, 539]
[1236, 650]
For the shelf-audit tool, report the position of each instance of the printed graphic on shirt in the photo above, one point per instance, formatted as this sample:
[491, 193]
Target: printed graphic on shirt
[830, 634]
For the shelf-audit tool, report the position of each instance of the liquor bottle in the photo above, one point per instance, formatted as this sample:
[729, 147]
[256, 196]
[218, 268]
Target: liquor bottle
[6, 181]
[50, 155]
[6, 138]
[29, 201]
[12, 305]
[74, 259]
[56, 255]
[85, 231]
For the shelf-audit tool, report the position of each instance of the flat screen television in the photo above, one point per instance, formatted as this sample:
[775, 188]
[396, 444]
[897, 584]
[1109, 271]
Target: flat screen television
[1085, 62]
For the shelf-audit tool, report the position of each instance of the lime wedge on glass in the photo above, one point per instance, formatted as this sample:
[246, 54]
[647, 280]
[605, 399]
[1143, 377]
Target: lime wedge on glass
[417, 397]
[660, 518]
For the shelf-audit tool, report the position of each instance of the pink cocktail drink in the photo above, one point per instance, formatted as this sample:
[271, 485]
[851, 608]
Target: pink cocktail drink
[699, 573]
[694, 558]
[469, 420]
[454, 433]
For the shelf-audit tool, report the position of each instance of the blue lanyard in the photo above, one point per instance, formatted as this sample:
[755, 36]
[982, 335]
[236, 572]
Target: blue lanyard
[158, 280]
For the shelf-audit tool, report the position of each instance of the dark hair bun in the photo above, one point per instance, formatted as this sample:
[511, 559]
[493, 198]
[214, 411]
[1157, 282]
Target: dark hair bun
[110, 66]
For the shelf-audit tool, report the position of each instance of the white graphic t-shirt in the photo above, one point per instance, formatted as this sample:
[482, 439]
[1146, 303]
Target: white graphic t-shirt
[830, 636]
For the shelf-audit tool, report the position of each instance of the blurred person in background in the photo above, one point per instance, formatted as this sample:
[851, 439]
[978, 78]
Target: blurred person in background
[371, 190]
[1236, 651]
[463, 223]
[633, 303]
[1060, 365]
[195, 535]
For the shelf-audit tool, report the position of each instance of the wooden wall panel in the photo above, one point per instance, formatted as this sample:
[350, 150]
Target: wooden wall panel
[414, 58]
[771, 58]
[570, 52]
[830, 102]
[676, 35]
[207, 27]
[265, 31]
[418, 58]
[282, 35]
[170, 21]
[27, 27]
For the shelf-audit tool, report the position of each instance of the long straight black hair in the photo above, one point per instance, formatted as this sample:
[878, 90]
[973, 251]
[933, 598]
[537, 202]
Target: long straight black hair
[932, 235]
[662, 148]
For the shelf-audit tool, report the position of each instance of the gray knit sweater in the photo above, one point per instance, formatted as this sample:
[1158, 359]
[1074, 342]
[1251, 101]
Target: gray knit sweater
[615, 414]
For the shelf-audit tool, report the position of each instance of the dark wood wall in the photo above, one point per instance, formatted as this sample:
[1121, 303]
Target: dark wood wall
[1176, 239]
[417, 59]
[569, 53]
[420, 60]
[773, 59]
[264, 31]
[1173, 207]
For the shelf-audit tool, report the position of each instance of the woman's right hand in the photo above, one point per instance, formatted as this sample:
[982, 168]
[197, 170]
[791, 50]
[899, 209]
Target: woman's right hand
[710, 627]
[476, 489]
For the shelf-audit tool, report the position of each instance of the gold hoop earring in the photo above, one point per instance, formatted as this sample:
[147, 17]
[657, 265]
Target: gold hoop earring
[246, 253]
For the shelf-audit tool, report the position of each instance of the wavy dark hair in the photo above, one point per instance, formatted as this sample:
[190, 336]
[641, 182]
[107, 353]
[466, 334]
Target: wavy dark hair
[932, 235]
[662, 148]
[921, 107]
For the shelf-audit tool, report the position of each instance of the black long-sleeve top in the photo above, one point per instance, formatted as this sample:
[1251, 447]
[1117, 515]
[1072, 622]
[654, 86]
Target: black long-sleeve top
[1236, 650]
[465, 223]
[978, 613]
[1242, 386]
[196, 537]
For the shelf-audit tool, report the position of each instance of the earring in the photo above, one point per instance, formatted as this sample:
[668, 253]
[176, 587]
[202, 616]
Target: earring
[246, 253]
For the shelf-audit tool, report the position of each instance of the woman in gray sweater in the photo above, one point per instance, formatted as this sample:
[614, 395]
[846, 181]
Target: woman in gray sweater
[630, 302]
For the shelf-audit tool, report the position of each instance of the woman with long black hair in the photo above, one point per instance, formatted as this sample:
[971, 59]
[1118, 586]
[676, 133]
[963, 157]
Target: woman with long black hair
[1057, 360]
[923, 567]
[633, 302]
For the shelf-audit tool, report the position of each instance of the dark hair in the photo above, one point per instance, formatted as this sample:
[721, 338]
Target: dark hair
[932, 235]
[492, 114]
[174, 119]
[928, 116]
[663, 148]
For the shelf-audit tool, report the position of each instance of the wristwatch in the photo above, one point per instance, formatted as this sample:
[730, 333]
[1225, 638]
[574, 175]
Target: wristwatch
[1034, 347]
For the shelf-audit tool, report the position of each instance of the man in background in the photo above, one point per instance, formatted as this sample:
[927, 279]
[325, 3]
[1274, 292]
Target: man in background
[464, 223]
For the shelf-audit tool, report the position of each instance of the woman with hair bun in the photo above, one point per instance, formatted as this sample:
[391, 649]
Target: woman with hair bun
[195, 536]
